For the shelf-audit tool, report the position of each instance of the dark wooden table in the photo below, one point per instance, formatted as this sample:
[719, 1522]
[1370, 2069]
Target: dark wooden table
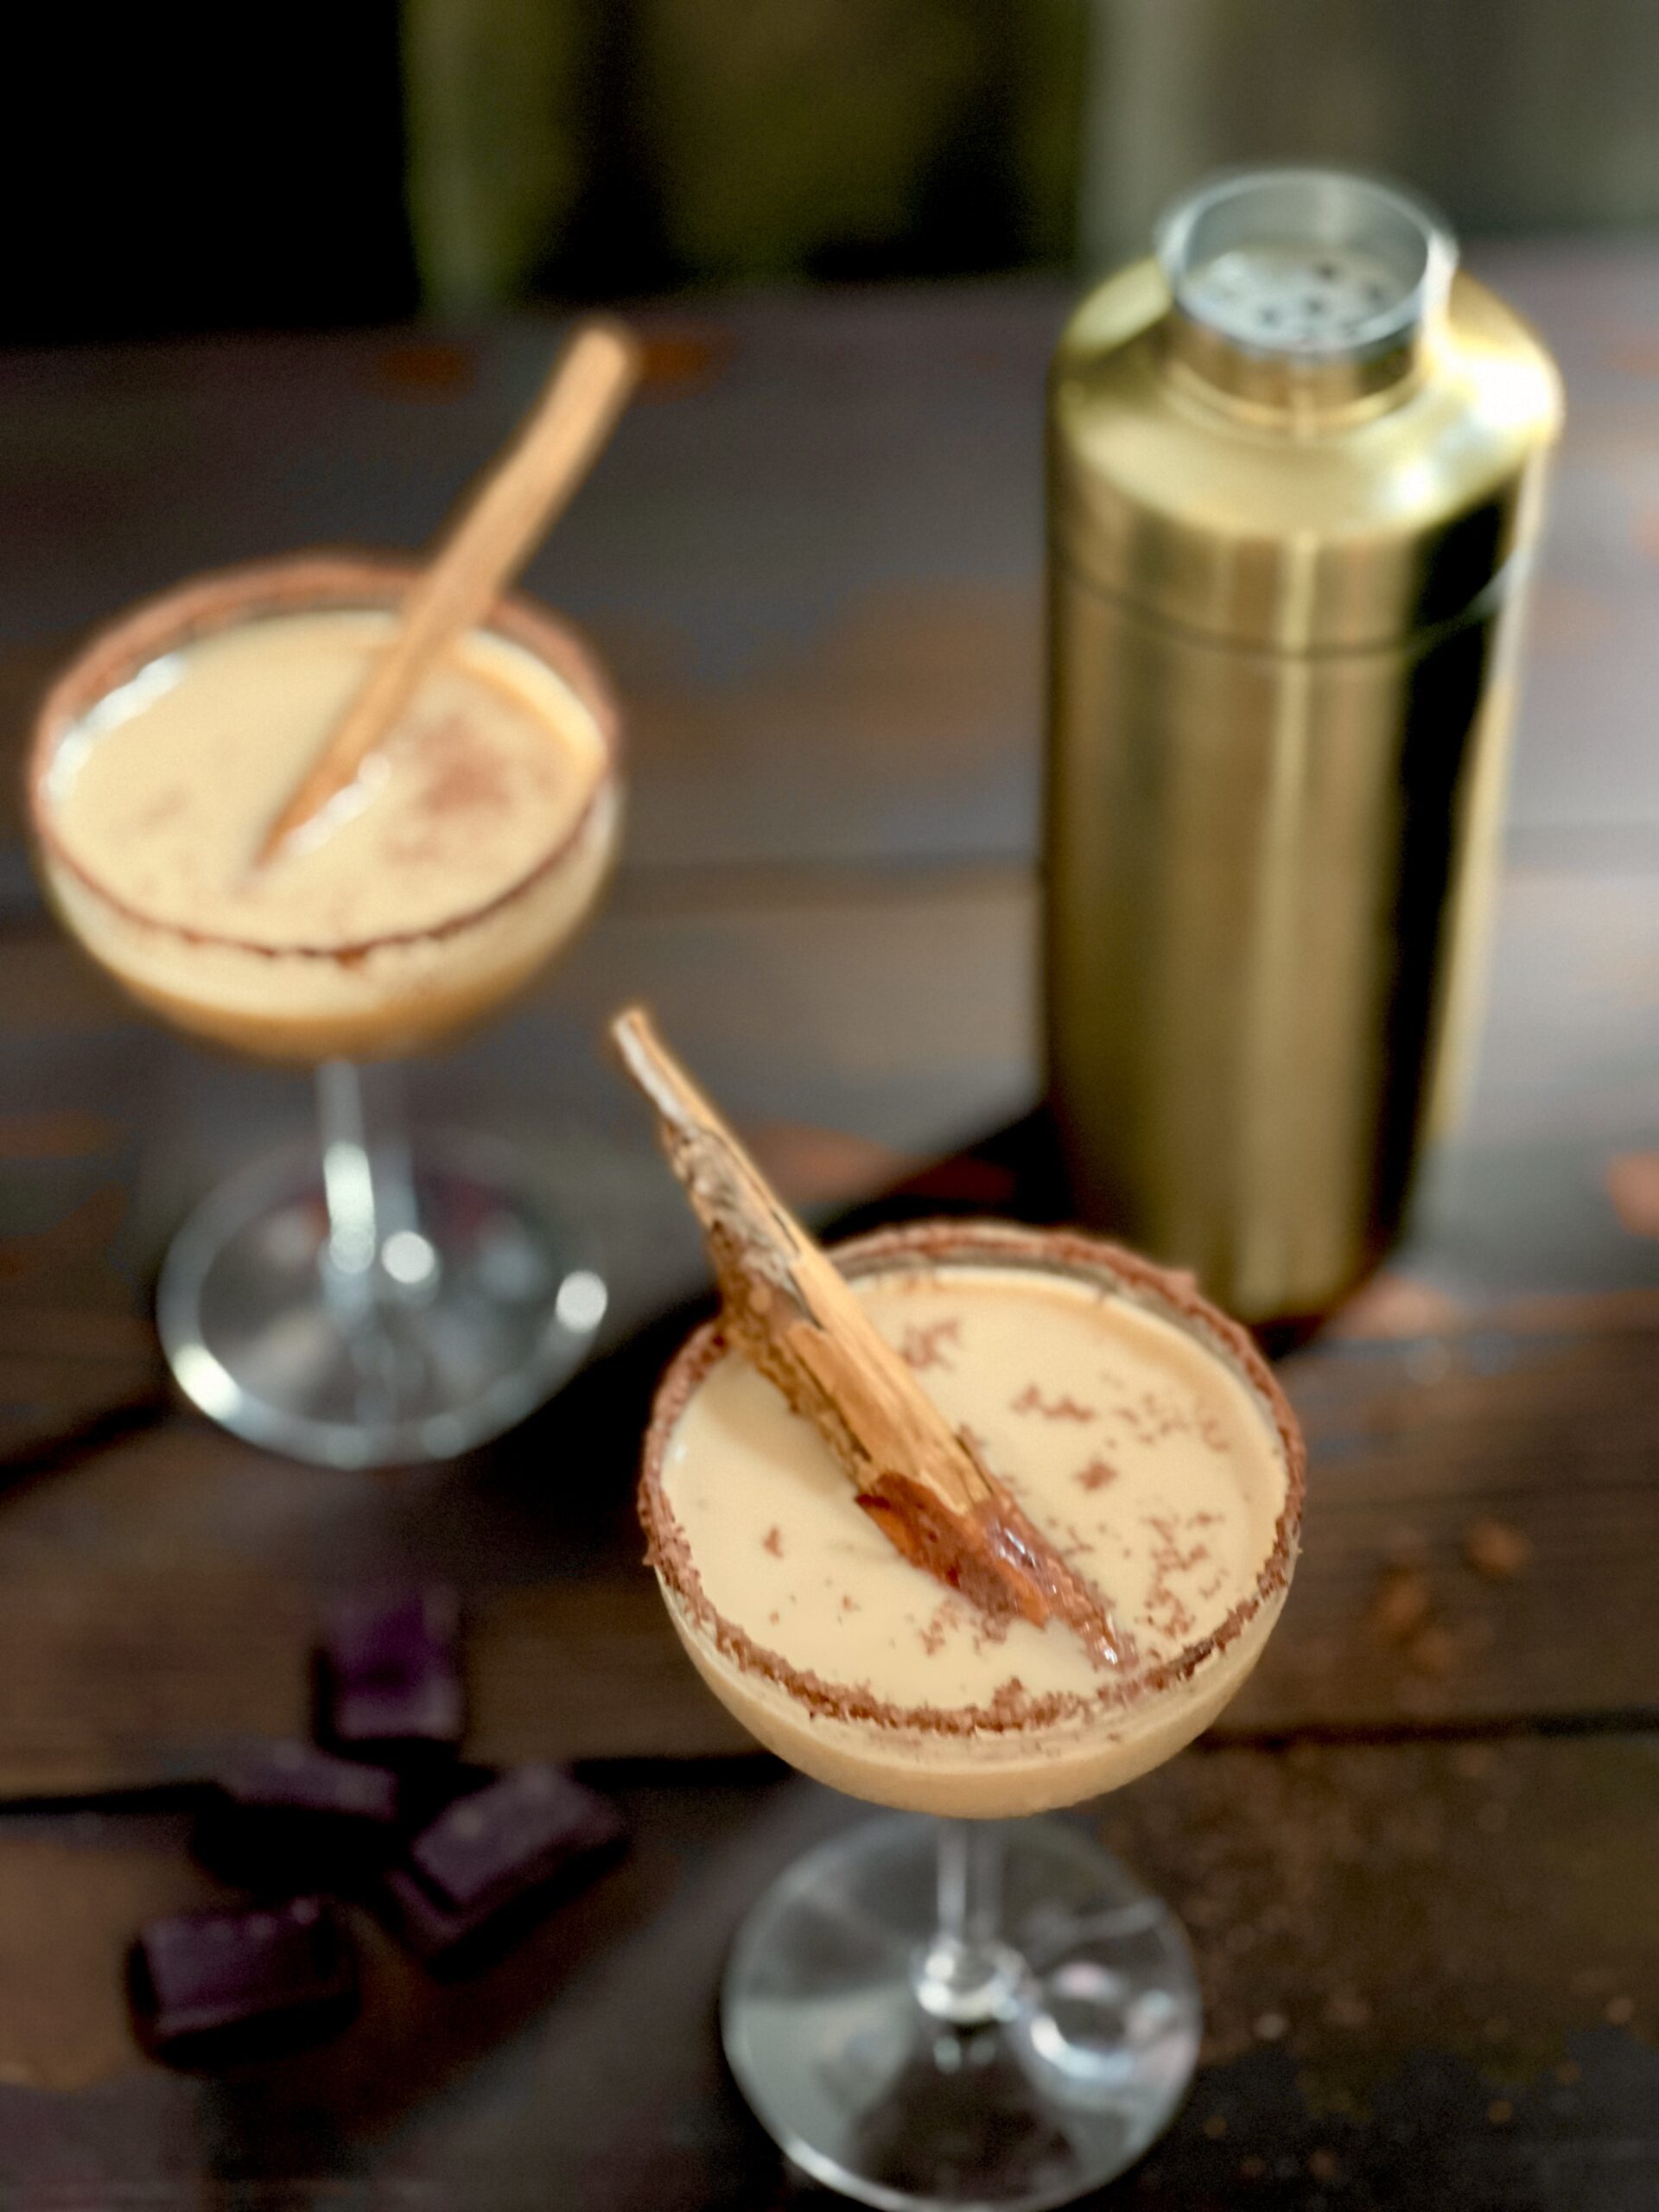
[1420, 1858]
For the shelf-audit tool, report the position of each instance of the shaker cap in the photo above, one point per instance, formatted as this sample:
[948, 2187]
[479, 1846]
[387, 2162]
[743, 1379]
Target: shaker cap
[1307, 266]
[1298, 425]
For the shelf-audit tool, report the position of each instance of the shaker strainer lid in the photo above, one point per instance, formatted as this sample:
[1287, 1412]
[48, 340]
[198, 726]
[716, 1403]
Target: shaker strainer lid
[1305, 263]
[1299, 426]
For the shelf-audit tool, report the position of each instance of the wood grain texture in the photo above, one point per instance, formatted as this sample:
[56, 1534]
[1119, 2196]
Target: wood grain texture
[827, 894]
[1429, 1973]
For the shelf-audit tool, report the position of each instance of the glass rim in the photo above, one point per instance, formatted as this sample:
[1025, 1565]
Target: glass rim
[221, 598]
[1170, 1294]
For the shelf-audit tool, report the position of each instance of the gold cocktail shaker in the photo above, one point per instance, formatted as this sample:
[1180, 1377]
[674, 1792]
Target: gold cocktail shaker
[1295, 474]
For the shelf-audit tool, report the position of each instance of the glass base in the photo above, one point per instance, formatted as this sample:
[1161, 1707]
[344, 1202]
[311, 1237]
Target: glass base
[469, 1314]
[1090, 2039]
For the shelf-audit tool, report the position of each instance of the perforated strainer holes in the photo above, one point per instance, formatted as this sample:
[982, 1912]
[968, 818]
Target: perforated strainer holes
[1294, 296]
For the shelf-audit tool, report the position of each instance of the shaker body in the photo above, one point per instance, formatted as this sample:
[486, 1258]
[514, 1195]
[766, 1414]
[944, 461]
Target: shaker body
[1285, 582]
[1265, 882]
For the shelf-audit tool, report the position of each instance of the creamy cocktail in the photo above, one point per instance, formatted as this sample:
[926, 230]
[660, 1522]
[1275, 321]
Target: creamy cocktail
[464, 854]
[1143, 1440]
[1023, 2038]
[368, 1300]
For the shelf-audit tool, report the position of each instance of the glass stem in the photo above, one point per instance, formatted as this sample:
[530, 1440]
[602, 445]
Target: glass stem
[361, 1193]
[967, 1975]
[369, 1191]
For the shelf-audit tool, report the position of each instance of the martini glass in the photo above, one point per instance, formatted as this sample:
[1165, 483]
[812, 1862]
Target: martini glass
[978, 2009]
[382, 1295]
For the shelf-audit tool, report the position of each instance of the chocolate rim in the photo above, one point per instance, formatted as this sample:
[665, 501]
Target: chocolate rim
[224, 597]
[1173, 1294]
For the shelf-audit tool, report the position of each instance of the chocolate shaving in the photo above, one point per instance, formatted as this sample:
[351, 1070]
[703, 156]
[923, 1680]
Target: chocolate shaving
[793, 1314]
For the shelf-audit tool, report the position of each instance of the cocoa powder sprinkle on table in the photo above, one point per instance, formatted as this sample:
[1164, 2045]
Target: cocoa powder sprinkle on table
[1496, 1550]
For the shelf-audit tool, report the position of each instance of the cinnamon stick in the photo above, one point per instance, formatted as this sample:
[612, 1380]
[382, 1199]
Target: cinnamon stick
[794, 1314]
[500, 527]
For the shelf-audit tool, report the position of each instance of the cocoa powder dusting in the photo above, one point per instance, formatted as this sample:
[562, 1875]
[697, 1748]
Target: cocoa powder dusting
[1032, 1400]
[460, 773]
[999, 1562]
[919, 1347]
[1402, 1604]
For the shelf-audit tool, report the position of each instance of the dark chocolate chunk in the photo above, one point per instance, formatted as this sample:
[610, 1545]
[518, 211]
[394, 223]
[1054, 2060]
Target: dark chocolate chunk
[210, 1990]
[496, 1858]
[427, 1788]
[388, 1680]
[287, 1815]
